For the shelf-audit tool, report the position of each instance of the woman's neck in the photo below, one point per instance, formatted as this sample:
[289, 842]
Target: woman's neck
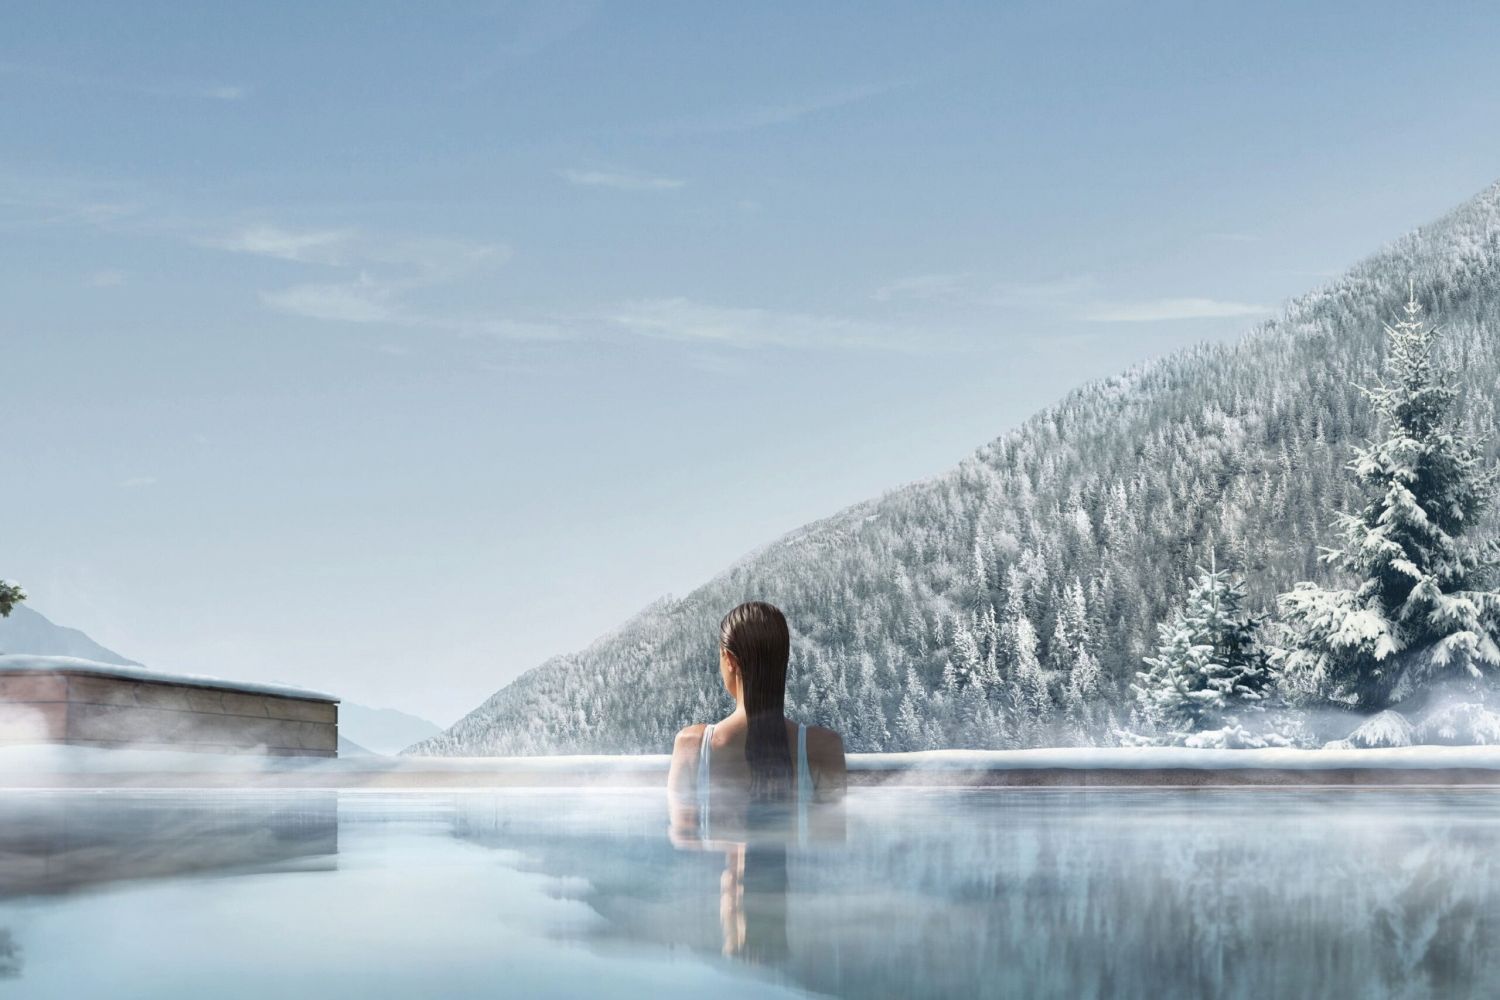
[740, 714]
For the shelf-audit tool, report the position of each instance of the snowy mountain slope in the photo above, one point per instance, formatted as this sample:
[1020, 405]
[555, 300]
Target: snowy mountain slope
[349, 748]
[1075, 532]
[29, 631]
[383, 730]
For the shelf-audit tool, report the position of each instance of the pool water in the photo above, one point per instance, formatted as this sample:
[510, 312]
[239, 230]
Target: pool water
[899, 893]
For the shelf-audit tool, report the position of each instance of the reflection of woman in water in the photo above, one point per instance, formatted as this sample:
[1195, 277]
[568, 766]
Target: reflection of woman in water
[752, 902]
[744, 784]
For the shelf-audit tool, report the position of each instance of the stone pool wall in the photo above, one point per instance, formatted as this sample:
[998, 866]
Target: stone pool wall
[1179, 767]
[96, 710]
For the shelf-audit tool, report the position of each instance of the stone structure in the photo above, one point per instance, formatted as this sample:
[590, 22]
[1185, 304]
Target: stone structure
[59, 699]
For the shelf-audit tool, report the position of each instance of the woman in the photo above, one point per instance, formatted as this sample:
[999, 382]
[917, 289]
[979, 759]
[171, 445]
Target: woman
[755, 755]
[740, 769]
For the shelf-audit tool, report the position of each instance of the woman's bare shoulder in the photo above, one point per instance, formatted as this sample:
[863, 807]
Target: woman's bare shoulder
[690, 735]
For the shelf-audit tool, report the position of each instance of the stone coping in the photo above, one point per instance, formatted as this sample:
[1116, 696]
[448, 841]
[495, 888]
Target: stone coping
[51, 766]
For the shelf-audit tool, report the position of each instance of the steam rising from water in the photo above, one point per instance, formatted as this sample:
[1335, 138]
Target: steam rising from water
[1038, 893]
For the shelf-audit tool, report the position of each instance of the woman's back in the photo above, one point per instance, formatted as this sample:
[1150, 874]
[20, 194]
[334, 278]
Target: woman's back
[755, 755]
[712, 756]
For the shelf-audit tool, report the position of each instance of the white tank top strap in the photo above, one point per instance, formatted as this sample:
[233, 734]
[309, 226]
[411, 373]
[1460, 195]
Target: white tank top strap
[804, 770]
[804, 784]
[704, 757]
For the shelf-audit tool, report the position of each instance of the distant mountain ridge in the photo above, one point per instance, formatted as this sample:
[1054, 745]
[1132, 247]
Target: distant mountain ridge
[383, 730]
[1008, 602]
[365, 730]
[27, 630]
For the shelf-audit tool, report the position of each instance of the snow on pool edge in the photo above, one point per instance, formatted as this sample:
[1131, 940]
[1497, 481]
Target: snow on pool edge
[59, 759]
[1160, 758]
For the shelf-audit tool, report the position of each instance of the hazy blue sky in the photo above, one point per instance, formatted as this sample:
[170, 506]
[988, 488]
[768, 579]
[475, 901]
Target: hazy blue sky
[389, 349]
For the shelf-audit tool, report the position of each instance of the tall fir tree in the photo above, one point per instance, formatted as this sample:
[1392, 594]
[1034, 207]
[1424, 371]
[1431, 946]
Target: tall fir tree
[1030, 699]
[1209, 669]
[1082, 700]
[868, 729]
[909, 716]
[1420, 608]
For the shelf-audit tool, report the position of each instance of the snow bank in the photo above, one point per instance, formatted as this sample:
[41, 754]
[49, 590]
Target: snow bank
[29, 762]
[22, 664]
[1385, 729]
[1461, 723]
[1155, 758]
[52, 758]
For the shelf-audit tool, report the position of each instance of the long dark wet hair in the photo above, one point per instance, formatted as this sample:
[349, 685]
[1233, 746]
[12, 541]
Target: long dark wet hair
[755, 634]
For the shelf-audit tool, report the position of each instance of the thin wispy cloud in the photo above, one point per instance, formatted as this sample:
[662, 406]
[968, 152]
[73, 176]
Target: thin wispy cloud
[1068, 298]
[352, 276]
[398, 258]
[685, 320]
[138, 482]
[923, 287]
[361, 277]
[107, 278]
[524, 31]
[375, 276]
[362, 300]
[224, 92]
[771, 115]
[366, 299]
[1233, 237]
[367, 302]
[306, 246]
[165, 88]
[1162, 310]
[620, 180]
[28, 201]
[974, 291]
[429, 257]
[1059, 294]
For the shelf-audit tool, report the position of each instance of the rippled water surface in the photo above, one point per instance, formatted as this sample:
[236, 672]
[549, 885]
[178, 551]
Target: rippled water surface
[900, 893]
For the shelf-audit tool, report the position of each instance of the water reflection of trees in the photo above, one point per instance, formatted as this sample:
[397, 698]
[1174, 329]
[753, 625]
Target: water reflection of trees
[67, 842]
[1063, 894]
[83, 841]
[10, 955]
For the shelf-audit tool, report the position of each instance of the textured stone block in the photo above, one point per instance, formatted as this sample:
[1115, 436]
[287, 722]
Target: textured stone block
[302, 711]
[100, 690]
[33, 687]
[205, 699]
[245, 704]
[162, 696]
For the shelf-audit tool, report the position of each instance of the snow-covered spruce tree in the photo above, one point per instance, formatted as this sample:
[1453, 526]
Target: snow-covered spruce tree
[1418, 609]
[11, 594]
[909, 716]
[1030, 699]
[1209, 670]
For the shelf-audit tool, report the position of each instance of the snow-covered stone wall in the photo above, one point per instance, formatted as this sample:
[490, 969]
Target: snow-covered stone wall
[83, 703]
